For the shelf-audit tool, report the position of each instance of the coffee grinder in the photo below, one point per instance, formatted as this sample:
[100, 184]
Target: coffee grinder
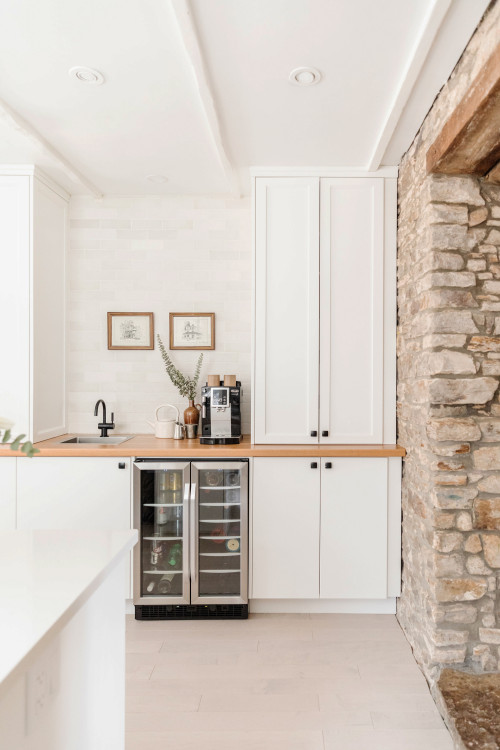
[220, 411]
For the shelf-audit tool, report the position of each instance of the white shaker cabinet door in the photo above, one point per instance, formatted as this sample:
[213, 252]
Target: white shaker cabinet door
[74, 493]
[352, 310]
[285, 532]
[353, 528]
[286, 310]
[7, 493]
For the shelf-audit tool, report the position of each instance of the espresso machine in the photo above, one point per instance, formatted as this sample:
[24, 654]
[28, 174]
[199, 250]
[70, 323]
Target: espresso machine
[220, 411]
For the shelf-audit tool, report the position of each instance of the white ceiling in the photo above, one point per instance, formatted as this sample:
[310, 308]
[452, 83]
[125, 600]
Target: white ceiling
[200, 92]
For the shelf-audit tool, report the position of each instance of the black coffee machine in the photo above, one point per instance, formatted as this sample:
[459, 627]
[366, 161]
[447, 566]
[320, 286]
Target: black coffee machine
[220, 412]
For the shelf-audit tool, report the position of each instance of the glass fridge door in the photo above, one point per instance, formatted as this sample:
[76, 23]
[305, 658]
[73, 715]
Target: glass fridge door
[161, 515]
[219, 531]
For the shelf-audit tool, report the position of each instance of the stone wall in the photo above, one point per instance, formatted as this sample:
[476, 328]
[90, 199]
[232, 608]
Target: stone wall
[448, 395]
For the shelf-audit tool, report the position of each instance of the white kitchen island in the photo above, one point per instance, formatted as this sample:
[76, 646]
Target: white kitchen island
[62, 639]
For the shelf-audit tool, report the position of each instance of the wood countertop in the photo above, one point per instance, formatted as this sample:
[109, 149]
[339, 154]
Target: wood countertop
[148, 445]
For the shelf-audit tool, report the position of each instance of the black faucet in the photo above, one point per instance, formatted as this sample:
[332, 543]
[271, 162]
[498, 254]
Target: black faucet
[104, 426]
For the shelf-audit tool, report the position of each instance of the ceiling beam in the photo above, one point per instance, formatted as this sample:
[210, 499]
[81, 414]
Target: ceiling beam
[14, 119]
[184, 17]
[469, 141]
[432, 23]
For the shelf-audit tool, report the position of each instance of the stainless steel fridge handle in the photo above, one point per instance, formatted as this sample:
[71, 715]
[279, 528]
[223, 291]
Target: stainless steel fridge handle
[194, 531]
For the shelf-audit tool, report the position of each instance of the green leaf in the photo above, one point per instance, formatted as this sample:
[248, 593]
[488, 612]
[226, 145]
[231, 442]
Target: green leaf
[28, 448]
[17, 442]
[6, 436]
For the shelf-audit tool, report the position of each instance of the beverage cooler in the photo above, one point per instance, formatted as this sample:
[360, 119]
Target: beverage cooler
[192, 556]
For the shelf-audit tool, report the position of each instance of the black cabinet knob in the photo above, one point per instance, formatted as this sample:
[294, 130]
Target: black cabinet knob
[328, 465]
[314, 433]
[314, 464]
[324, 433]
[121, 465]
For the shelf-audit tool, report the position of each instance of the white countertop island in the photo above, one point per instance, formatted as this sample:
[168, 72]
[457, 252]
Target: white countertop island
[62, 639]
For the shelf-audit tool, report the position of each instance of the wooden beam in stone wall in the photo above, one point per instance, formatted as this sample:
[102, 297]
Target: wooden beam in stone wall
[469, 142]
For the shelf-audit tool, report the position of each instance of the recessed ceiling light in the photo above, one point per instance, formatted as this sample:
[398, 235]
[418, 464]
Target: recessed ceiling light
[304, 76]
[158, 178]
[86, 75]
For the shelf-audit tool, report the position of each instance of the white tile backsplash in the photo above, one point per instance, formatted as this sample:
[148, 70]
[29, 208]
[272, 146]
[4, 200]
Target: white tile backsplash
[157, 254]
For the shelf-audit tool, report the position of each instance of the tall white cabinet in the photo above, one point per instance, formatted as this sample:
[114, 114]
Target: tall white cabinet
[325, 309]
[33, 220]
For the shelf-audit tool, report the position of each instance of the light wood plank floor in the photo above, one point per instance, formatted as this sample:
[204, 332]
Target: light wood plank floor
[278, 682]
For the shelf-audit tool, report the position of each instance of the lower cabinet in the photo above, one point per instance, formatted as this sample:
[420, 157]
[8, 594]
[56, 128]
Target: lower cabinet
[320, 528]
[74, 493]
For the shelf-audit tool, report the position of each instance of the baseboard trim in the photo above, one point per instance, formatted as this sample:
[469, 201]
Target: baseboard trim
[342, 606]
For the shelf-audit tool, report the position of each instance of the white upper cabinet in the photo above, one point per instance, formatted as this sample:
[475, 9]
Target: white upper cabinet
[324, 329]
[33, 219]
[352, 310]
[286, 310]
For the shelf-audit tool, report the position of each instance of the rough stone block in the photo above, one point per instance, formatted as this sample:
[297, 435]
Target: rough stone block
[450, 637]
[458, 498]
[448, 362]
[448, 566]
[450, 340]
[489, 635]
[473, 544]
[490, 484]
[449, 428]
[447, 278]
[451, 321]
[456, 449]
[476, 566]
[490, 430]
[462, 390]
[447, 236]
[447, 541]
[494, 237]
[460, 613]
[491, 547]
[491, 287]
[450, 480]
[436, 299]
[484, 344]
[487, 513]
[439, 260]
[442, 213]
[487, 458]
[464, 521]
[478, 216]
[488, 621]
[460, 589]
[476, 264]
[489, 367]
[446, 189]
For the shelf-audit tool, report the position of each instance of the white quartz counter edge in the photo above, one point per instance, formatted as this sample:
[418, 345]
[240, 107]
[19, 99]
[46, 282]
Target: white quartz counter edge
[45, 578]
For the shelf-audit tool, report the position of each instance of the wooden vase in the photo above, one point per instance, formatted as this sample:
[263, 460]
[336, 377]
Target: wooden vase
[192, 413]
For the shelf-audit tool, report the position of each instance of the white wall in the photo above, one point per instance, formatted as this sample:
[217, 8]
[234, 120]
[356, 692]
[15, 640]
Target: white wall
[155, 254]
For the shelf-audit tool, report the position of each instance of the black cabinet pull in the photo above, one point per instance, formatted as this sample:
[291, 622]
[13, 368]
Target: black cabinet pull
[314, 433]
[328, 465]
[121, 465]
[314, 464]
[324, 433]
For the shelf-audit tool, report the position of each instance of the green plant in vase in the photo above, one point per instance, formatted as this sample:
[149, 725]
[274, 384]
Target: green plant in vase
[186, 386]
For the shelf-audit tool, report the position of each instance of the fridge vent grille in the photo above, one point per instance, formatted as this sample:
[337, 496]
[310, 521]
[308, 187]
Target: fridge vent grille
[192, 612]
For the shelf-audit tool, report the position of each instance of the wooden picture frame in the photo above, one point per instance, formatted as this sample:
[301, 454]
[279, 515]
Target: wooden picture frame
[130, 330]
[192, 330]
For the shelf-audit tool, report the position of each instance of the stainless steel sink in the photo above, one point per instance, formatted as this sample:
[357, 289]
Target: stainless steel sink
[84, 439]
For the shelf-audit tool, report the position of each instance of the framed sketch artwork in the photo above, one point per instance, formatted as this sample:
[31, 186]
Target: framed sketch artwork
[130, 330]
[192, 330]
